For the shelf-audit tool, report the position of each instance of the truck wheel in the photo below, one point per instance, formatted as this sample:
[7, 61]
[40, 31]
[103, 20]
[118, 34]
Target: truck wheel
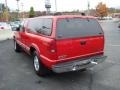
[84, 69]
[39, 68]
[17, 48]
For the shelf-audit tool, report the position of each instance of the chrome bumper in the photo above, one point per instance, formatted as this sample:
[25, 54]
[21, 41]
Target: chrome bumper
[78, 64]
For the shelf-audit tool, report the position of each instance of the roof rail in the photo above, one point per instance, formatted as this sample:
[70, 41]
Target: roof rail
[57, 13]
[60, 13]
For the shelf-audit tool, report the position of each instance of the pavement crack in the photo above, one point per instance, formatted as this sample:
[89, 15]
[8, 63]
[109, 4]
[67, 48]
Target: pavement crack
[91, 80]
[39, 82]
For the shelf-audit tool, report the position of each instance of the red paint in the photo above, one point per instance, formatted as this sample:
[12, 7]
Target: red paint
[53, 51]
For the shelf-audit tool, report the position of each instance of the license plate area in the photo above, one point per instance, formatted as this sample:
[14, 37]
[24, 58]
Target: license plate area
[83, 62]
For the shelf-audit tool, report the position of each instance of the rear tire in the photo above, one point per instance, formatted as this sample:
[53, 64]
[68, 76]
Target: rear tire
[39, 68]
[84, 69]
[118, 26]
[17, 47]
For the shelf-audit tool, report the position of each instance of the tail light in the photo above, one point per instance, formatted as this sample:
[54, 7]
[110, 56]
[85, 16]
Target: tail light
[52, 46]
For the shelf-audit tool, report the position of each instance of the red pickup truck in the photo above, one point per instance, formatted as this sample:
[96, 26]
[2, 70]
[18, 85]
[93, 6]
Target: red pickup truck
[61, 43]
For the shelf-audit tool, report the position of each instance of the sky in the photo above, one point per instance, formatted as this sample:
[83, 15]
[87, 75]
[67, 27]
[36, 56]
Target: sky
[62, 5]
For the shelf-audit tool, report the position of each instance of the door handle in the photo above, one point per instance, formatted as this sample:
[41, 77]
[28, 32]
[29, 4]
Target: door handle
[82, 42]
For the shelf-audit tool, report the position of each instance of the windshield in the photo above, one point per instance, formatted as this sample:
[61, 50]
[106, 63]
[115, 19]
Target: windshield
[77, 27]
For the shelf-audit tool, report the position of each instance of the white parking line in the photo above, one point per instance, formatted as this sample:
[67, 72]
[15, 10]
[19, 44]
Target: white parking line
[114, 45]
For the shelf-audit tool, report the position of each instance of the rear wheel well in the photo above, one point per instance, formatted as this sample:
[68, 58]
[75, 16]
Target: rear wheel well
[32, 49]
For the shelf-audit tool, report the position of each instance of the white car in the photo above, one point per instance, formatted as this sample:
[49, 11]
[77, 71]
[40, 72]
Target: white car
[4, 26]
[14, 25]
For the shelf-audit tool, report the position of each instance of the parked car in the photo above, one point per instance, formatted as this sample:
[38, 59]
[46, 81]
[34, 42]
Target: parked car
[15, 25]
[61, 43]
[4, 26]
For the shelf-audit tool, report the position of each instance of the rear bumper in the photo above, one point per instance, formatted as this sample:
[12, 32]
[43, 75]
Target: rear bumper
[78, 64]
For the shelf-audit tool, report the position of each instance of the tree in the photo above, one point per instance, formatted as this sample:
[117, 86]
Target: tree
[31, 12]
[5, 14]
[101, 10]
[18, 8]
[2, 7]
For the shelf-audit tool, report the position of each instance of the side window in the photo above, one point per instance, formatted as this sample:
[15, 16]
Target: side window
[31, 26]
[47, 27]
[40, 26]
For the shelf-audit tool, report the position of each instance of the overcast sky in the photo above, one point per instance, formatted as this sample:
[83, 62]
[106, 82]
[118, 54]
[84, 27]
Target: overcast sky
[62, 5]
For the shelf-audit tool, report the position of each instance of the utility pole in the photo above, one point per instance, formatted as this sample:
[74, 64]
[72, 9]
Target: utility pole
[47, 6]
[55, 5]
[88, 11]
[18, 8]
[22, 10]
[6, 11]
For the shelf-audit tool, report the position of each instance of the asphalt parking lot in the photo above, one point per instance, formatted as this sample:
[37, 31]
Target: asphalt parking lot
[16, 70]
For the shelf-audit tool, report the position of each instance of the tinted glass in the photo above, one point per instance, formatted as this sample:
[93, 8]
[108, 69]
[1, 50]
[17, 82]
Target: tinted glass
[41, 26]
[77, 27]
[34, 25]
[47, 26]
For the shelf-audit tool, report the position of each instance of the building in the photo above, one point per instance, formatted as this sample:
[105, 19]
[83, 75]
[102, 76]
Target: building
[116, 15]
